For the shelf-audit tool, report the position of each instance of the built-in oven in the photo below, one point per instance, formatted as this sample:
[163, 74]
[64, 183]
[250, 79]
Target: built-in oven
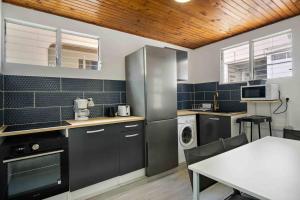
[34, 166]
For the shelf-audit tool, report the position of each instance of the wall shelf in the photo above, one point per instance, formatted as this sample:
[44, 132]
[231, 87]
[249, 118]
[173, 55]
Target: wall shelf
[261, 101]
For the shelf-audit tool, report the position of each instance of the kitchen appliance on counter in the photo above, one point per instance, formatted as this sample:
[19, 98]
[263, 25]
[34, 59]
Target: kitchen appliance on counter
[263, 92]
[151, 85]
[81, 108]
[34, 166]
[110, 111]
[124, 110]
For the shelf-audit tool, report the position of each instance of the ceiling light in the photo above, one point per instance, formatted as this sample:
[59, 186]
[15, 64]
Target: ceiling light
[182, 1]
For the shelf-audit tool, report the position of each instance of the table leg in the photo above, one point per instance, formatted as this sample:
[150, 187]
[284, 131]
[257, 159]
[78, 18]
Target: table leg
[196, 186]
[251, 133]
[240, 128]
[270, 127]
[258, 125]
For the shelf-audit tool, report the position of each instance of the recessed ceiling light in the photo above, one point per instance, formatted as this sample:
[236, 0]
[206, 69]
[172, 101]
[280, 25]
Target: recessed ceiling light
[182, 1]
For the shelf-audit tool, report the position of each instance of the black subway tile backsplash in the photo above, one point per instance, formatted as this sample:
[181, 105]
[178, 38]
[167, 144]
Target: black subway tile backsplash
[185, 88]
[96, 111]
[31, 115]
[233, 86]
[211, 86]
[47, 99]
[224, 95]
[185, 96]
[67, 113]
[235, 95]
[30, 99]
[105, 97]
[31, 83]
[76, 84]
[18, 99]
[115, 86]
[40, 99]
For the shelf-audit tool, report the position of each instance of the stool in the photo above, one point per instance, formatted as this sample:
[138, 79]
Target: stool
[255, 119]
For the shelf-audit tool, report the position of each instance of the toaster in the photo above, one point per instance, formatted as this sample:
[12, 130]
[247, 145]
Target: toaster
[124, 110]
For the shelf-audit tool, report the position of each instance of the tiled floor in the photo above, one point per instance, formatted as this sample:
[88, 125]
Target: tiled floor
[172, 187]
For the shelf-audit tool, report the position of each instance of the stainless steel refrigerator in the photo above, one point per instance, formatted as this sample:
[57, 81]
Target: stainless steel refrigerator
[151, 83]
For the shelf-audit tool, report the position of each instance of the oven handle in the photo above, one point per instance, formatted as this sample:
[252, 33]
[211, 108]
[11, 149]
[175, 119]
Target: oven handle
[33, 156]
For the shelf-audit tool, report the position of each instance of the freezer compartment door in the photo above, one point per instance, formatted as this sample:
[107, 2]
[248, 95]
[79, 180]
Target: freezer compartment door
[161, 84]
[161, 146]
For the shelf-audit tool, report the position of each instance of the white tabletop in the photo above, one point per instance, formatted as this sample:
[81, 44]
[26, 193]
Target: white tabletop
[268, 168]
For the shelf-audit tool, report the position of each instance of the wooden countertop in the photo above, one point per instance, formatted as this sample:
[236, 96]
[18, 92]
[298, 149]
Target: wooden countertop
[74, 124]
[188, 112]
[102, 121]
[30, 131]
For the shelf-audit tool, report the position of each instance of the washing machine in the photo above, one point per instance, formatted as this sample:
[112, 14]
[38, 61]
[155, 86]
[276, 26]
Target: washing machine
[187, 135]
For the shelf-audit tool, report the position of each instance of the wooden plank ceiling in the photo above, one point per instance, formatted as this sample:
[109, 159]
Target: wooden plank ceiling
[193, 24]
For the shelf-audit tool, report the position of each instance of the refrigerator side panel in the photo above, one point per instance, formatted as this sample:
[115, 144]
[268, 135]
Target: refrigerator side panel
[135, 82]
[161, 83]
[161, 146]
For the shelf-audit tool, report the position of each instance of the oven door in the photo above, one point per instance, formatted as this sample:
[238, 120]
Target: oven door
[36, 176]
[254, 92]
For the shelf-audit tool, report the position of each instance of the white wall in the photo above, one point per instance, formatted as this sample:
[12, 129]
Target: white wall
[115, 46]
[205, 67]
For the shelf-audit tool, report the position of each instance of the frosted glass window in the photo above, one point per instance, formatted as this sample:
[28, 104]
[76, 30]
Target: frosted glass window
[29, 45]
[79, 52]
[235, 64]
[273, 57]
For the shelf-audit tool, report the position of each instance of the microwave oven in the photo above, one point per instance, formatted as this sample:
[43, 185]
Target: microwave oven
[260, 92]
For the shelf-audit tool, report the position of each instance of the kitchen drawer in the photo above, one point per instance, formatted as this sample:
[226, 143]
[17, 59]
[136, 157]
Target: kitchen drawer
[132, 151]
[93, 155]
[132, 126]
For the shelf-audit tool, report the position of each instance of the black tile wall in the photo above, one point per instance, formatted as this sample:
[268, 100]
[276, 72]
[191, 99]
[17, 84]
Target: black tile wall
[47, 99]
[1, 100]
[31, 115]
[185, 96]
[30, 99]
[31, 83]
[18, 99]
[229, 95]
[75, 84]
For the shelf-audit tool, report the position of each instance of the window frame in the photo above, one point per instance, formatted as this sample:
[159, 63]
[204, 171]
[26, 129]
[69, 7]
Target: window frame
[222, 61]
[251, 56]
[58, 48]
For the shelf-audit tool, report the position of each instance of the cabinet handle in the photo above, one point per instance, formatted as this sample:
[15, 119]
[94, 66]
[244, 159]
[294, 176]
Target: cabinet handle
[131, 126]
[214, 118]
[95, 131]
[133, 135]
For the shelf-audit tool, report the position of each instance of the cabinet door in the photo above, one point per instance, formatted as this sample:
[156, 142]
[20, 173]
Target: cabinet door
[132, 147]
[212, 127]
[93, 155]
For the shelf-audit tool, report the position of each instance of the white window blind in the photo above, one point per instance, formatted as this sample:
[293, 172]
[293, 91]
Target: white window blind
[29, 44]
[235, 63]
[273, 56]
[79, 51]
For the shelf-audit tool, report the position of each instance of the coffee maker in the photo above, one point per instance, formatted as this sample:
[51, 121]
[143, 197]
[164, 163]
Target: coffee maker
[81, 108]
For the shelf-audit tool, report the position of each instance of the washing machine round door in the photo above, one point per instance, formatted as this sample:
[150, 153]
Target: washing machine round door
[186, 137]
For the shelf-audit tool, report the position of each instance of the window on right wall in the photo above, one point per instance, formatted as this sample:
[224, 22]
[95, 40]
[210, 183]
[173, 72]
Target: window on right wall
[269, 57]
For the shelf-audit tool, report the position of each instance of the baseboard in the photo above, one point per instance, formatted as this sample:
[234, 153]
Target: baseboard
[107, 185]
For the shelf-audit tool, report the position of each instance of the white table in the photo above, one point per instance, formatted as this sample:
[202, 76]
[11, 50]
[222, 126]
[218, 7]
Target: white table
[268, 168]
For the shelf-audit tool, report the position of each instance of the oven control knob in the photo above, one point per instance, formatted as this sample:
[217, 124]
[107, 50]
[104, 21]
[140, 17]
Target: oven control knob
[35, 147]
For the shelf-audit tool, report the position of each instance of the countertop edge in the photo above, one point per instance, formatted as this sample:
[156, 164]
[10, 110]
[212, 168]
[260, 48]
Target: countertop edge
[95, 122]
[189, 112]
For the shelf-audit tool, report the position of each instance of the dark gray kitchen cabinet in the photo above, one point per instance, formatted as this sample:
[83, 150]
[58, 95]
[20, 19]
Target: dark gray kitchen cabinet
[132, 147]
[93, 155]
[98, 153]
[212, 128]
